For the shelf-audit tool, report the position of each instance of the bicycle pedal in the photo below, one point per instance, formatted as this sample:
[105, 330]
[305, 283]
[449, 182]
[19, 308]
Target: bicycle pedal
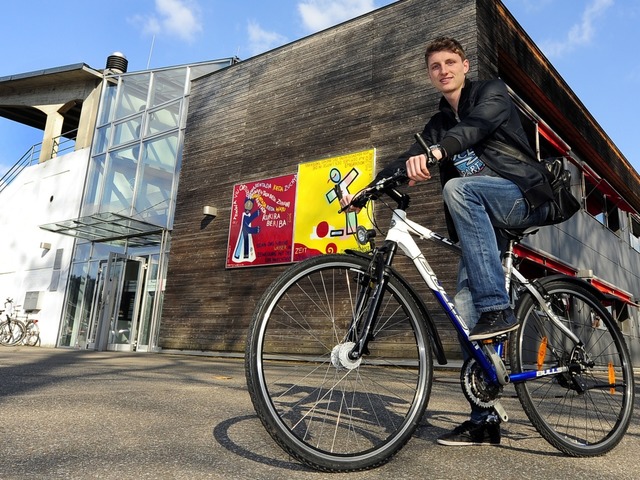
[499, 339]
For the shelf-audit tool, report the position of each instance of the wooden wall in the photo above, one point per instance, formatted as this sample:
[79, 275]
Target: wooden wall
[357, 86]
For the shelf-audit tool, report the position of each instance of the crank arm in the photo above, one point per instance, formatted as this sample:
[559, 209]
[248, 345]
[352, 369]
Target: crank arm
[502, 413]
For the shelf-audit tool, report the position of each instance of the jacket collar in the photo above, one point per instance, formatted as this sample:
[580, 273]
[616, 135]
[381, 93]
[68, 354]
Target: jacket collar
[446, 109]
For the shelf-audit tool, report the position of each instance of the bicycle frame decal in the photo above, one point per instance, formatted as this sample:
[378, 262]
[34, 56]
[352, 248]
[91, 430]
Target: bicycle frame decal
[531, 374]
[400, 232]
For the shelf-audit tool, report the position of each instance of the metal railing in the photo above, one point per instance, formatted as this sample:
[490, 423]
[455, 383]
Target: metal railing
[62, 143]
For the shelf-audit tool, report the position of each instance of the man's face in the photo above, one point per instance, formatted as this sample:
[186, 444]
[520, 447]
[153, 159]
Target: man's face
[447, 71]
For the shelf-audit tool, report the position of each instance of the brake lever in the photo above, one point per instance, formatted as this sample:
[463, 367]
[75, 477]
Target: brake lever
[356, 201]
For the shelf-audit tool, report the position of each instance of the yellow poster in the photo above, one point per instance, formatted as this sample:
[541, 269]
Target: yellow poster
[319, 228]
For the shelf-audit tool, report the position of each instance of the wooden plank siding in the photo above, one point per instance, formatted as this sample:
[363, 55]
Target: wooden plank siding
[356, 86]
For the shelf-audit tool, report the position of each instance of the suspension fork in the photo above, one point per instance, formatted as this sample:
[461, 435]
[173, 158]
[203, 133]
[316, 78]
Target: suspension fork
[369, 301]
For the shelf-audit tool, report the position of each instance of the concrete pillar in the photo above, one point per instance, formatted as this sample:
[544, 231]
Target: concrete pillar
[52, 130]
[88, 116]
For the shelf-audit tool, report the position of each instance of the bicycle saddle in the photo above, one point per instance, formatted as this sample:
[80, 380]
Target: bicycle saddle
[518, 234]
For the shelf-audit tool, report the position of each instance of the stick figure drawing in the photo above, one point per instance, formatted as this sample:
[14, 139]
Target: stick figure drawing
[245, 250]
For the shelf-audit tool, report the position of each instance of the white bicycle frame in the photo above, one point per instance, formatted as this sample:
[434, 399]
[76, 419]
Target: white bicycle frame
[401, 231]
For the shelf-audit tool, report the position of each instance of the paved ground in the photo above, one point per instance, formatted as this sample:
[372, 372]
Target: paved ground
[106, 415]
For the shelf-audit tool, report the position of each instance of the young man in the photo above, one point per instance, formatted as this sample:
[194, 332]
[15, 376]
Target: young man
[483, 190]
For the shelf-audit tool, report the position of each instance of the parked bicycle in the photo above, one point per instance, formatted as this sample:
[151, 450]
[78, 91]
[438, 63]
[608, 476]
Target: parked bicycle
[14, 331]
[339, 354]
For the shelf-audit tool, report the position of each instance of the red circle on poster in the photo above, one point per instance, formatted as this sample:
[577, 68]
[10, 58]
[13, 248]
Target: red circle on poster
[322, 229]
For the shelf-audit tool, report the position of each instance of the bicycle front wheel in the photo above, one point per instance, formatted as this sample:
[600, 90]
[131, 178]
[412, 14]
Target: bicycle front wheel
[328, 411]
[11, 332]
[584, 411]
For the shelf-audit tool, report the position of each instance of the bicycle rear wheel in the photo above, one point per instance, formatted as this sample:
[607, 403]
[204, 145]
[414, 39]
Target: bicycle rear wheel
[11, 332]
[31, 334]
[330, 412]
[586, 411]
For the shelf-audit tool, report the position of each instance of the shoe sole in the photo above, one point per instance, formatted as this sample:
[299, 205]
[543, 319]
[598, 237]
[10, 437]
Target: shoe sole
[465, 444]
[484, 336]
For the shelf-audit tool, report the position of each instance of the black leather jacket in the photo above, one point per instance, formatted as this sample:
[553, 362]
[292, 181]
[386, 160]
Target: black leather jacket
[486, 111]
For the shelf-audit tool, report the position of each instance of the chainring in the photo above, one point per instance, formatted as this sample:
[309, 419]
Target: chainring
[475, 387]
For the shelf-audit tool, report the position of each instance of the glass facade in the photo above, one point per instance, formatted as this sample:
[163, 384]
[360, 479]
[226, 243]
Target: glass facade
[114, 299]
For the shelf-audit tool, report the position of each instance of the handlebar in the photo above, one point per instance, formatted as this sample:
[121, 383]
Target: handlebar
[374, 191]
[387, 185]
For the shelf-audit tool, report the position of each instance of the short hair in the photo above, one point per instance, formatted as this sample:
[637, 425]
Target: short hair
[444, 44]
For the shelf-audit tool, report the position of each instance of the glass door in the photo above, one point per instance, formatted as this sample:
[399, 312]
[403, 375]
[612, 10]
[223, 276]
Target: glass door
[149, 293]
[122, 279]
[96, 306]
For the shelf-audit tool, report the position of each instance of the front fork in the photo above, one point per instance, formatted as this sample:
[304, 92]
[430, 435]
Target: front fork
[370, 294]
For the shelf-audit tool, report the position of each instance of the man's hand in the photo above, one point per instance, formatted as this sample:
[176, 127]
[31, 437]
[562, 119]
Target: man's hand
[417, 170]
[346, 199]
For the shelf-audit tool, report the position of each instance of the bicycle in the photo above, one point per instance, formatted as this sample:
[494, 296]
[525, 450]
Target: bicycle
[339, 353]
[31, 332]
[14, 331]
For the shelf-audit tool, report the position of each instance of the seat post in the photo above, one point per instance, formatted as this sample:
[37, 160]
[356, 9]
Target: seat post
[507, 264]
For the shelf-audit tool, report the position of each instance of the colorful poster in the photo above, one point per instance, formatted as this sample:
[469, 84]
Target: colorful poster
[319, 228]
[261, 224]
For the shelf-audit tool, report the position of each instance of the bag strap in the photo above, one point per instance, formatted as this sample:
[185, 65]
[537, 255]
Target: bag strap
[507, 150]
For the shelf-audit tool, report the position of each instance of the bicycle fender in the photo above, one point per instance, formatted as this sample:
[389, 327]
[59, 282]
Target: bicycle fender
[540, 283]
[436, 342]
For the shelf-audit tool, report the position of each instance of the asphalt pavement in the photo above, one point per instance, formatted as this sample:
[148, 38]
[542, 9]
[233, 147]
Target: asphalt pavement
[71, 414]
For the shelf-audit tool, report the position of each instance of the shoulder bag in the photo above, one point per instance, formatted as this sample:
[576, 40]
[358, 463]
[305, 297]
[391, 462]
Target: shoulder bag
[564, 204]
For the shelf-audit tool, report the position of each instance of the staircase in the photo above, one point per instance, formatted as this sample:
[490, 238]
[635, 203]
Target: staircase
[28, 159]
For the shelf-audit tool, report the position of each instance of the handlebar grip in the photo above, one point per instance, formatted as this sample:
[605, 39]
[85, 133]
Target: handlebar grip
[431, 160]
[422, 143]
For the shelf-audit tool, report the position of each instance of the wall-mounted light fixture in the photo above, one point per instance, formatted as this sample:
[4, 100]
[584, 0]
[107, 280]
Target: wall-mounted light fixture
[210, 211]
[45, 245]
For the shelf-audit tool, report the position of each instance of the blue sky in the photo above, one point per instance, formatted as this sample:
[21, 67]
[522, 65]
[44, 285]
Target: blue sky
[590, 42]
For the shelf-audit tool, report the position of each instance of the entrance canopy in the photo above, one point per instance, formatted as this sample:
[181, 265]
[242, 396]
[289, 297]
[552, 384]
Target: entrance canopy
[109, 227]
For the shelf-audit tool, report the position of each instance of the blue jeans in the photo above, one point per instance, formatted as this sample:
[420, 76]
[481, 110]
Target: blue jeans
[478, 206]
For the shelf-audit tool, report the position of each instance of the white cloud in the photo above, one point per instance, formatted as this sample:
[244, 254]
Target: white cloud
[176, 18]
[581, 33]
[315, 14]
[261, 40]
[320, 14]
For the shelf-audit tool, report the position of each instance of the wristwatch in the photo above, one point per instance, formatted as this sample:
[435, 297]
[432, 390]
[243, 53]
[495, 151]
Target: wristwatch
[437, 146]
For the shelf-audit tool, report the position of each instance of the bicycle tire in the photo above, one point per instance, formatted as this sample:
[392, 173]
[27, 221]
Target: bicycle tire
[31, 334]
[334, 418]
[579, 424]
[11, 332]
